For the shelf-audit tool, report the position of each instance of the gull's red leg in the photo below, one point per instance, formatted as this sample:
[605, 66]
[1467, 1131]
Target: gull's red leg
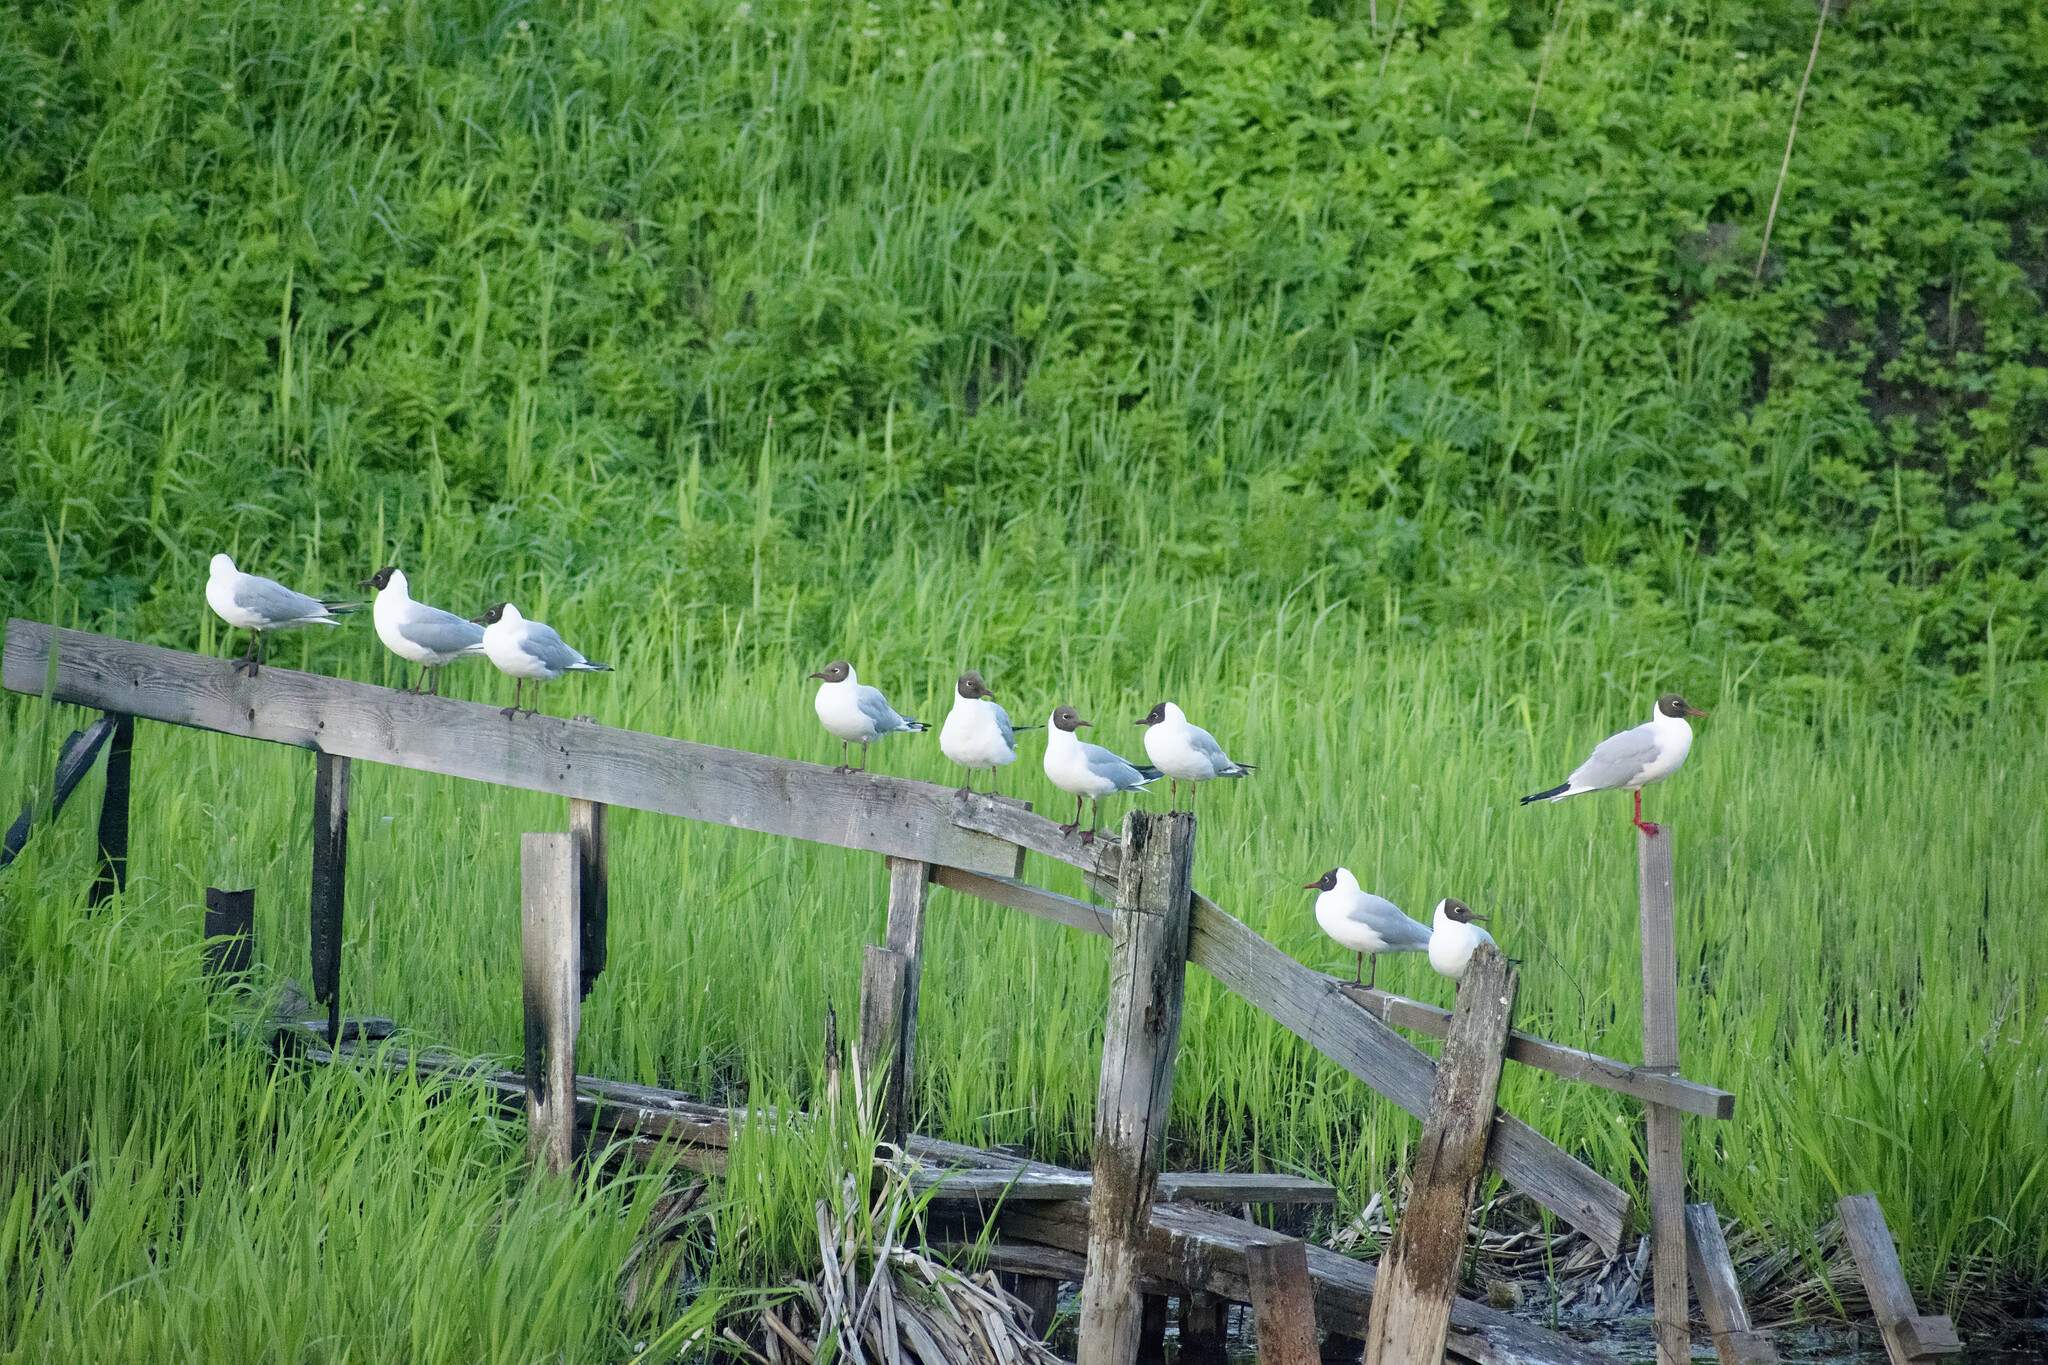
[1650, 830]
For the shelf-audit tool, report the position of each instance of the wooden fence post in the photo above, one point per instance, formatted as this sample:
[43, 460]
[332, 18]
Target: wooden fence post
[1283, 1302]
[1148, 969]
[550, 946]
[878, 1046]
[910, 891]
[1666, 1137]
[1418, 1277]
[330, 867]
[1713, 1276]
[230, 931]
[1908, 1336]
[587, 825]
[113, 834]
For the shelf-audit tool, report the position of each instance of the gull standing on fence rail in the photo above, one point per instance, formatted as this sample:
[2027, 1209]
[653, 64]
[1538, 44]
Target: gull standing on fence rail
[1633, 759]
[977, 734]
[416, 632]
[1184, 752]
[1087, 771]
[1365, 923]
[1455, 938]
[856, 713]
[524, 649]
[254, 604]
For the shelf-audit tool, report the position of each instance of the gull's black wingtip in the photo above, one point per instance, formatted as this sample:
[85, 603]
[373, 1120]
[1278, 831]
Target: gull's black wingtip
[1558, 790]
[917, 725]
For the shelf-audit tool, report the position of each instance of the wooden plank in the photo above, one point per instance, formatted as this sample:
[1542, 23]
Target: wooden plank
[910, 893]
[1018, 895]
[1283, 1302]
[1418, 1279]
[230, 931]
[1148, 967]
[538, 753]
[1672, 1325]
[1907, 1335]
[329, 882]
[1310, 1005]
[985, 1186]
[878, 1046]
[550, 942]
[1653, 1087]
[113, 831]
[1713, 1278]
[588, 826]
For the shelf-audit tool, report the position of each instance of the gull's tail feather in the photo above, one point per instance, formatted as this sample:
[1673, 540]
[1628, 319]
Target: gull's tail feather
[1241, 769]
[1559, 790]
[588, 667]
[910, 724]
[341, 608]
[1148, 772]
[1020, 729]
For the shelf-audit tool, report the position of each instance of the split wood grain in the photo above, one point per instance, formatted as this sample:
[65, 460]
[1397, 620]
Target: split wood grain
[1713, 1279]
[329, 882]
[910, 894]
[551, 980]
[878, 1045]
[1908, 1335]
[1418, 1279]
[1283, 1302]
[589, 827]
[1148, 969]
[537, 753]
[1665, 1136]
[113, 830]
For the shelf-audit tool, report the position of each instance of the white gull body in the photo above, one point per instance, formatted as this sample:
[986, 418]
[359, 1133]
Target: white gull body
[1363, 922]
[855, 713]
[1452, 943]
[977, 734]
[1087, 771]
[1183, 751]
[1634, 758]
[528, 651]
[419, 633]
[248, 602]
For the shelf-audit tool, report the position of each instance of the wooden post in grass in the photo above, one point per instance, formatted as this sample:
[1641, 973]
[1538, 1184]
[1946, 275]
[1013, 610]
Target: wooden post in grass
[330, 865]
[230, 931]
[551, 978]
[878, 1046]
[1283, 1302]
[910, 891]
[1713, 1277]
[1418, 1277]
[1204, 1326]
[1908, 1335]
[587, 822]
[1673, 1327]
[1148, 968]
[113, 833]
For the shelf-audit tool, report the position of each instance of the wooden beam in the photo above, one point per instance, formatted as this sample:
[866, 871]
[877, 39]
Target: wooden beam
[537, 753]
[113, 831]
[1018, 895]
[910, 893]
[1148, 966]
[878, 1045]
[550, 942]
[1283, 1302]
[1311, 1006]
[329, 882]
[1653, 1087]
[1418, 1279]
[1908, 1336]
[588, 826]
[1666, 1136]
[230, 924]
[1713, 1278]
[1017, 1185]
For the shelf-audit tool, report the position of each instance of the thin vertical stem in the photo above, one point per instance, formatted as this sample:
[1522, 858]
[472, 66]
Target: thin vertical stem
[1542, 70]
[1797, 103]
[1393, 30]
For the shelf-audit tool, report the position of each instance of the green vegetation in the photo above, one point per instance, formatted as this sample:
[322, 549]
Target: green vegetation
[1240, 353]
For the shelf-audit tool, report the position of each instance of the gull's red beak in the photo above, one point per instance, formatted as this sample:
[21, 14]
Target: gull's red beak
[817, 675]
[1312, 886]
[1694, 711]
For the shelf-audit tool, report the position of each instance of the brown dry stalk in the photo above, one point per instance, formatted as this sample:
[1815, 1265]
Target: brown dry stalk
[1797, 102]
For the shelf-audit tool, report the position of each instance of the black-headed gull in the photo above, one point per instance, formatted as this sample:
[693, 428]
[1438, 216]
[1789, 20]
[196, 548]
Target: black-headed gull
[1455, 938]
[1365, 923]
[527, 651]
[1087, 771]
[856, 713]
[254, 604]
[978, 734]
[1185, 752]
[416, 632]
[1633, 759]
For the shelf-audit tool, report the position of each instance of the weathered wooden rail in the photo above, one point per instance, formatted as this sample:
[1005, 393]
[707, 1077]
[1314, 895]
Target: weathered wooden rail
[930, 836]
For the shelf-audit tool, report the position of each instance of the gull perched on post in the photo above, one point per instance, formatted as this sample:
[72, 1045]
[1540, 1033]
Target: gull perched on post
[255, 604]
[856, 713]
[1633, 759]
[1364, 923]
[1185, 752]
[416, 632]
[978, 734]
[1455, 938]
[527, 651]
[1087, 771]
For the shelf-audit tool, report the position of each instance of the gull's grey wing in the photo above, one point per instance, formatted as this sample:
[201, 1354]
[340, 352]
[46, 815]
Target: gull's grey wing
[550, 648]
[1617, 759]
[443, 632]
[1384, 918]
[1205, 744]
[273, 601]
[1125, 774]
[876, 708]
[1003, 726]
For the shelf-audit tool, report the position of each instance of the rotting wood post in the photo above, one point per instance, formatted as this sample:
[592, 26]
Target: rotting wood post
[113, 833]
[1204, 1323]
[1152, 1329]
[878, 1047]
[1666, 1136]
[1337, 1347]
[1283, 1302]
[1148, 968]
[587, 825]
[1908, 1336]
[1418, 1275]
[330, 867]
[1713, 1277]
[910, 892]
[550, 946]
[230, 931]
